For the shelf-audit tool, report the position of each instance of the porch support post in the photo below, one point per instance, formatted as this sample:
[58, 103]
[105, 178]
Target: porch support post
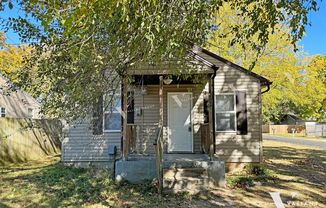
[211, 113]
[161, 101]
[210, 118]
[125, 148]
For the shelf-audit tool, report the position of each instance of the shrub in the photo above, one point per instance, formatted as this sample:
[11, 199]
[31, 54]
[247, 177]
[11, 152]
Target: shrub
[251, 174]
[240, 181]
[257, 170]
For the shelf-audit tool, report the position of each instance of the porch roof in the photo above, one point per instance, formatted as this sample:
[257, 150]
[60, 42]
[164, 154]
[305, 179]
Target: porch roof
[201, 61]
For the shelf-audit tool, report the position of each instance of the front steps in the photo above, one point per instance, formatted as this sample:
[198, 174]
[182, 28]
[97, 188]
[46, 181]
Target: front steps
[182, 172]
[193, 178]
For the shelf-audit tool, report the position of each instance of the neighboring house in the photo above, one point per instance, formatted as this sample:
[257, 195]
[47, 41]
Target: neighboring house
[219, 116]
[291, 119]
[17, 103]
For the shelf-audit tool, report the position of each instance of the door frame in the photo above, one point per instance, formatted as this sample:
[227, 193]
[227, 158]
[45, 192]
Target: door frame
[168, 123]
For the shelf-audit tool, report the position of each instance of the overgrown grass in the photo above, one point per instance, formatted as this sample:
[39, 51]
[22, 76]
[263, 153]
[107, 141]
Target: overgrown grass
[252, 174]
[50, 184]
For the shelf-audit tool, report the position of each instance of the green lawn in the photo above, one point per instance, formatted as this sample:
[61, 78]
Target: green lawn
[296, 170]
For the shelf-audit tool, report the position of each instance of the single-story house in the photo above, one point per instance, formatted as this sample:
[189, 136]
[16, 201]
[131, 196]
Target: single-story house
[217, 115]
[17, 103]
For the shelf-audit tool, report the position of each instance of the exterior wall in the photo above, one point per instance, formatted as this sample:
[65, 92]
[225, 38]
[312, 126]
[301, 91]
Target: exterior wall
[17, 103]
[240, 148]
[149, 118]
[81, 146]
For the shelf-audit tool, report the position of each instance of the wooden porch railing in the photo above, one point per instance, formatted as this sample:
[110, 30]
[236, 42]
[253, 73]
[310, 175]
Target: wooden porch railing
[131, 136]
[205, 138]
[159, 157]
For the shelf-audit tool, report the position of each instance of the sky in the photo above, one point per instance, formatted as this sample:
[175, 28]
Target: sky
[313, 42]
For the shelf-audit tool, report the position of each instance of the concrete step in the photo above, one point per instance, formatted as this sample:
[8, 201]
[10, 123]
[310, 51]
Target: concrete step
[186, 164]
[187, 179]
[184, 172]
[187, 184]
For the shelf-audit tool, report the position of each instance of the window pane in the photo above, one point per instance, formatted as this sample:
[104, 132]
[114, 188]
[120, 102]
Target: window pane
[112, 121]
[112, 103]
[224, 103]
[225, 122]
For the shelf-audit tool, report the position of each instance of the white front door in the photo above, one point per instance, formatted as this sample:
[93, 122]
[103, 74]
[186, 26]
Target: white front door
[180, 122]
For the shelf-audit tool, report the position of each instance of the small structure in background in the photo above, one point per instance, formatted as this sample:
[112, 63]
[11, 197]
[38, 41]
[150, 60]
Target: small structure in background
[15, 103]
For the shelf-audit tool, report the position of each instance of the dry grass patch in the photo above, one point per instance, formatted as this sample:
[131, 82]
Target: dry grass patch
[298, 173]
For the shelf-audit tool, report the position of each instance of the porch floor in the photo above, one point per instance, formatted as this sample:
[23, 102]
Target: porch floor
[172, 157]
[185, 157]
[176, 159]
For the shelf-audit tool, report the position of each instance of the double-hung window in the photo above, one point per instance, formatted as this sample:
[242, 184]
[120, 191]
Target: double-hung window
[112, 113]
[225, 112]
[2, 112]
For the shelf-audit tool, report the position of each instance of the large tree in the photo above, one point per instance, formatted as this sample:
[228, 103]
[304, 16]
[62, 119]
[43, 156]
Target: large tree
[11, 58]
[298, 82]
[81, 48]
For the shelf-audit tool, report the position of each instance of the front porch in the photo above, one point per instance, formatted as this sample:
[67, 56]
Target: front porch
[182, 109]
[141, 139]
[172, 134]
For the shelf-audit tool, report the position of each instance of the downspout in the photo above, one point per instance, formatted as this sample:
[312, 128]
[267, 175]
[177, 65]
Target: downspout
[268, 83]
[213, 106]
[268, 88]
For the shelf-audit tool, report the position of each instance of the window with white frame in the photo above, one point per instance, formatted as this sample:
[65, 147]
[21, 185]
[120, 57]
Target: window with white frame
[225, 112]
[112, 113]
[2, 112]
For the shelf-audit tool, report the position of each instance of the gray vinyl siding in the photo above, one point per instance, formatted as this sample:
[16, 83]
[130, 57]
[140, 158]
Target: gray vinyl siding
[149, 119]
[81, 145]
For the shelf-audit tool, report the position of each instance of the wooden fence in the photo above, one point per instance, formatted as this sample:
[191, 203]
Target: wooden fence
[284, 129]
[28, 139]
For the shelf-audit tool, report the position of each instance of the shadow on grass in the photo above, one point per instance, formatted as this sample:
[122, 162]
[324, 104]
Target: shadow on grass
[58, 185]
[55, 185]
[309, 164]
[305, 167]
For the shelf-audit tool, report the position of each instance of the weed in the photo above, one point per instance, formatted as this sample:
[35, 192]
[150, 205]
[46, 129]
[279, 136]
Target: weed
[258, 170]
[240, 181]
[252, 173]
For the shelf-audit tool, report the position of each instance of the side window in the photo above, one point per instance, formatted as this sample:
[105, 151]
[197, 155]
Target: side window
[2, 112]
[112, 113]
[225, 112]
